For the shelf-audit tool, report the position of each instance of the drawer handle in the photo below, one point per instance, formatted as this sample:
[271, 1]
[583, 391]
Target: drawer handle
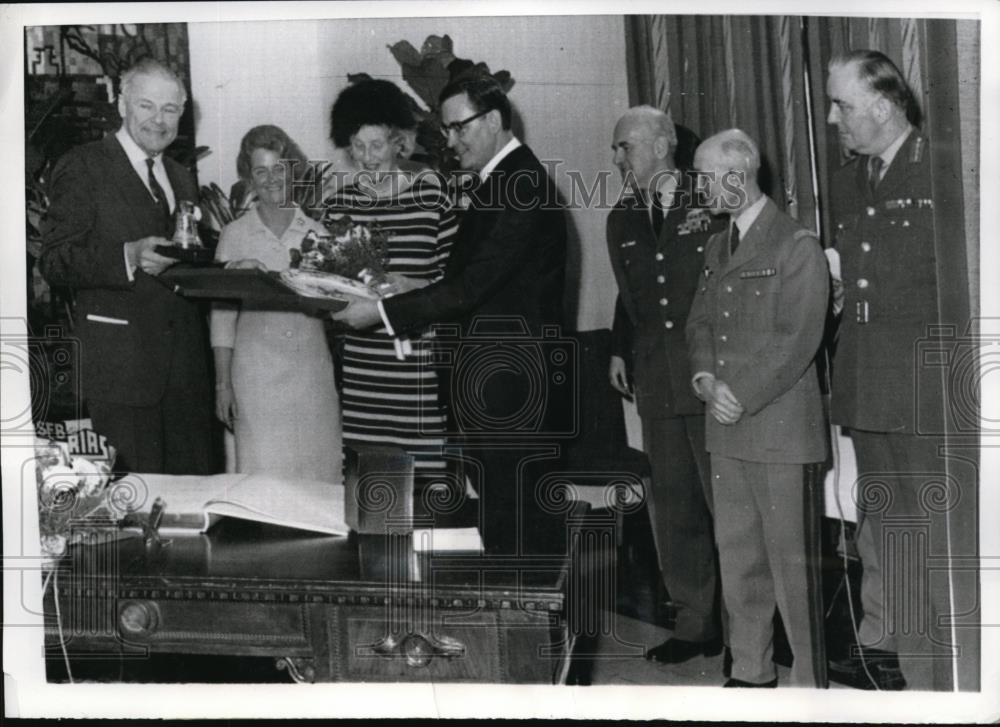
[138, 618]
[419, 649]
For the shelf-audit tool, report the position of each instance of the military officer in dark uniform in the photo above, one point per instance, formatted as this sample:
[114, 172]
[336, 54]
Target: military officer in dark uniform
[656, 241]
[884, 222]
[753, 332]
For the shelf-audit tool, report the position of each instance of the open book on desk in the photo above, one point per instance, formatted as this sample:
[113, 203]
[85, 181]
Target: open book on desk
[197, 503]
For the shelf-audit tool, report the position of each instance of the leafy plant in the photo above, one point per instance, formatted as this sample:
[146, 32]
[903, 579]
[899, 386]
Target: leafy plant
[427, 72]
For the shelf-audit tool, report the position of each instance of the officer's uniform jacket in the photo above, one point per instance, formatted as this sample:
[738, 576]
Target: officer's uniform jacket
[756, 324]
[886, 246]
[657, 280]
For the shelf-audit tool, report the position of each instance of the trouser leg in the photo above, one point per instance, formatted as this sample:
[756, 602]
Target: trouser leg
[747, 584]
[682, 527]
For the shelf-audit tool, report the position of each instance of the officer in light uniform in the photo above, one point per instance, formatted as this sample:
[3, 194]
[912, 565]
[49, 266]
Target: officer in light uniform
[753, 334]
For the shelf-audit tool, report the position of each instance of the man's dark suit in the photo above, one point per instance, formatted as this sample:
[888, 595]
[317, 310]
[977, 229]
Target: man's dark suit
[145, 374]
[657, 280]
[504, 282]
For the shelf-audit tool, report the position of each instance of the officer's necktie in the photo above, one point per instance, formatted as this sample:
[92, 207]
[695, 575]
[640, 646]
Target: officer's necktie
[875, 165]
[734, 238]
[656, 213]
[158, 194]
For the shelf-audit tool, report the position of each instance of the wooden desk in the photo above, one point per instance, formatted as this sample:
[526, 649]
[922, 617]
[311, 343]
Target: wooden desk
[363, 608]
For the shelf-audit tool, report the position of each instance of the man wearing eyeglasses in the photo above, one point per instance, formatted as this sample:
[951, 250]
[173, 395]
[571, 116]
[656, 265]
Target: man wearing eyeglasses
[503, 283]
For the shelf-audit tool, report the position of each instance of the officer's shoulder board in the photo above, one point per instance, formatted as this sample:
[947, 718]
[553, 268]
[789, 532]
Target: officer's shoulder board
[917, 150]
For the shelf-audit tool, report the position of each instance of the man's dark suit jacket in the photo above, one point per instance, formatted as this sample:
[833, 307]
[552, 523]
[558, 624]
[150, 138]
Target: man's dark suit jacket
[130, 332]
[509, 258]
[507, 262]
[657, 280]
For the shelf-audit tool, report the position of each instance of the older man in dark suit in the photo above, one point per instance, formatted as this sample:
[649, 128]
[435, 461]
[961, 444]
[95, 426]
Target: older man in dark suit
[656, 241]
[503, 282]
[145, 374]
[753, 332]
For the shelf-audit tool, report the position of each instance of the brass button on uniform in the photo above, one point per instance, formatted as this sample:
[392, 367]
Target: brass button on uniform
[668, 325]
[663, 301]
[721, 362]
[725, 314]
[870, 211]
[862, 283]
[866, 247]
[659, 256]
[723, 338]
[729, 289]
[660, 279]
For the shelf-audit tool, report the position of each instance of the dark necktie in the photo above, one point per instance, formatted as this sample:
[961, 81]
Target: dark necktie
[158, 194]
[734, 238]
[875, 165]
[656, 214]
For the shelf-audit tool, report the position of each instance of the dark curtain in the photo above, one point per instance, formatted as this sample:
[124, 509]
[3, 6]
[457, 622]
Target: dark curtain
[767, 75]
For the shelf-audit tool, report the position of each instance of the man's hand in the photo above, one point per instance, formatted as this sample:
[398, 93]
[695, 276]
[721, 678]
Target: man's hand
[225, 406]
[618, 374]
[359, 314]
[404, 283]
[141, 255]
[722, 403]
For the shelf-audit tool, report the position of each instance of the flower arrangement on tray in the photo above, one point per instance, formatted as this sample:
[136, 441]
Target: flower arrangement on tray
[75, 503]
[349, 260]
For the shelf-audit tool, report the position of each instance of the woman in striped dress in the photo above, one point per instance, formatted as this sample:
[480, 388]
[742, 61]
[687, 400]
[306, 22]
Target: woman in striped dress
[390, 393]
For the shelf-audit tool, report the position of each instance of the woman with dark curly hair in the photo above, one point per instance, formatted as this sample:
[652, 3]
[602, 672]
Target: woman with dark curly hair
[390, 393]
[273, 370]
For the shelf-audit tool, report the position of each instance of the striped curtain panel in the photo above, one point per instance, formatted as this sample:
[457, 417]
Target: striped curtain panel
[716, 72]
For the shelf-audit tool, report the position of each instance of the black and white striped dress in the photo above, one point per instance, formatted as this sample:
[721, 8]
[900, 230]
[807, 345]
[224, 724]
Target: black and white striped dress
[386, 401]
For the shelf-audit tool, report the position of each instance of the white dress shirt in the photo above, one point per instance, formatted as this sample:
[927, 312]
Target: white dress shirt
[498, 157]
[137, 158]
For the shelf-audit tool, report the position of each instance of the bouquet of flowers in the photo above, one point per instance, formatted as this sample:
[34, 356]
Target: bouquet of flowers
[351, 249]
[349, 260]
[73, 496]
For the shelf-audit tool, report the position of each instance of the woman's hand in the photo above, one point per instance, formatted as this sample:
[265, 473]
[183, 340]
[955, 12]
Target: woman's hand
[225, 406]
[248, 264]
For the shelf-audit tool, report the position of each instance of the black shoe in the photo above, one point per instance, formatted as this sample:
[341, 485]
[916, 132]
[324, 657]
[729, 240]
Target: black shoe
[883, 672]
[727, 662]
[739, 683]
[676, 651]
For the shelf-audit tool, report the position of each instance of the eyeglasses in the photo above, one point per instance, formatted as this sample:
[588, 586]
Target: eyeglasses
[459, 126]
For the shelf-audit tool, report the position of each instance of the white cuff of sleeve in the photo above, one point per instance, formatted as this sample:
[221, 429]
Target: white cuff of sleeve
[385, 319]
[129, 270]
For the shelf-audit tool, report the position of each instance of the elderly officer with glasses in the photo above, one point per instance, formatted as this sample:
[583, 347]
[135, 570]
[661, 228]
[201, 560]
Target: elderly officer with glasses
[504, 282]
